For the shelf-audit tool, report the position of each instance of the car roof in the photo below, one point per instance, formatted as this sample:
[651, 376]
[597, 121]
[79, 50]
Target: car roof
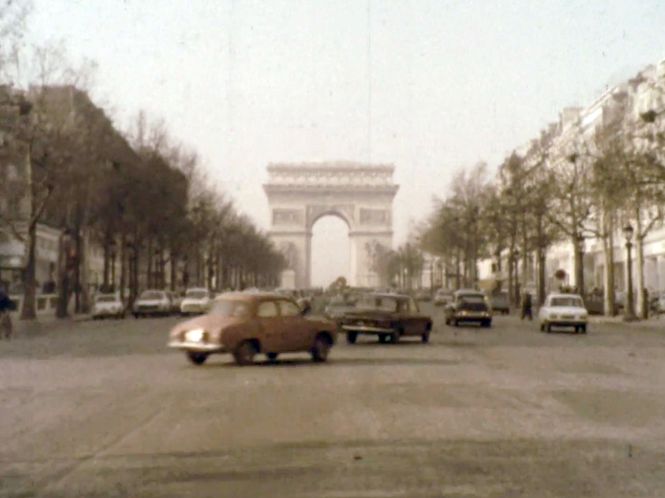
[254, 296]
[563, 294]
[394, 295]
[469, 291]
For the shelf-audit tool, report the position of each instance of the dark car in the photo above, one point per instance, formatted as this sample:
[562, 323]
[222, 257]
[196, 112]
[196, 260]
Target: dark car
[469, 306]
[500, 303]
[387, 316]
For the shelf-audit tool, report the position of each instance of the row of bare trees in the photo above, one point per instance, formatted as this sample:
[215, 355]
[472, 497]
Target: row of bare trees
[575, 182]
[140, 196]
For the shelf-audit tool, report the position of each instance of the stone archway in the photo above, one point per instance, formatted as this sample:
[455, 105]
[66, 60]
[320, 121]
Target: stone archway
[361, 194]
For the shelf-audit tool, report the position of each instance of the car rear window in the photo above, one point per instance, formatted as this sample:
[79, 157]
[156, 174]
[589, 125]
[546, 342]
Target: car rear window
[567, 301]
[378, 303]
[152, 295]
[196, 294]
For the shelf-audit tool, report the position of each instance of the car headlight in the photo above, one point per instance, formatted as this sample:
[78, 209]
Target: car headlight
[195, 335]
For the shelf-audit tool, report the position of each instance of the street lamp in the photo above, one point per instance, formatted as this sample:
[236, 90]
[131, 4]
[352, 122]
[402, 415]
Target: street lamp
[629, 311]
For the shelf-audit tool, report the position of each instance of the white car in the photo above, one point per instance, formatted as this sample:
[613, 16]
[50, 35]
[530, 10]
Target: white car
[108, 305]
[196, 301]
[152, 302]
[443, 297]
[563, 310]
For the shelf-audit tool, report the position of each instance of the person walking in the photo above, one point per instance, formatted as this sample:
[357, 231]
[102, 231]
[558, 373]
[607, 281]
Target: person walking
[527, 306]
[6, 305]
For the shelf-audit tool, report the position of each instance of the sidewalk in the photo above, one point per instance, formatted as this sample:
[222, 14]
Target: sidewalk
[44, 324]
[654, 321]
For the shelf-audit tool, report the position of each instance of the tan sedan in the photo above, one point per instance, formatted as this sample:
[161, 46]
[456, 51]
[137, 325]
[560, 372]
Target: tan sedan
[248, 324]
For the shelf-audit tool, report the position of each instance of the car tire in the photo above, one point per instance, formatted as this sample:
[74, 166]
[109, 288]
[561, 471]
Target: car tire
[383, 338]
[272, 357]
[583, 329]
[244, 353]
[425, 337]
[321, 348]
[197, 358]
[351, 337]
[487, 324]
[395, 336]
[548, 327]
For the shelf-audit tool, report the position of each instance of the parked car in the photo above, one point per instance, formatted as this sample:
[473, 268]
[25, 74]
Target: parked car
[423, 295]
[563, 310]
[246, 324]
[152, 302]
[443, 297]
[499, 302]
[387, 316]
[195, 302]
[468, 305]
[337, 307]
[108, 305]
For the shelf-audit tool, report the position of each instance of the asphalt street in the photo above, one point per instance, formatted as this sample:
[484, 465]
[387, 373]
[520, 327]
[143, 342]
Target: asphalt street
[105, 409]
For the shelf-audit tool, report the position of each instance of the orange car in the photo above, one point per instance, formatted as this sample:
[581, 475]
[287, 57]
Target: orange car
[248, 324]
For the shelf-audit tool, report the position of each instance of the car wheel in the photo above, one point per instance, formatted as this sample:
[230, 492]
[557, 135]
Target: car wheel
[321, 348]
[487, 323]
[272, 356]
[197, 358]
[548, 327]
[383, 338]
[583, 329]
[425, 337]
[136, 315]
[244, 353]
[395, 336]
[351, 337]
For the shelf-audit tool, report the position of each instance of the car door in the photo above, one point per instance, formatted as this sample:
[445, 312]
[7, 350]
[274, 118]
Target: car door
[414, 323]
[270, 323]
[296, 329]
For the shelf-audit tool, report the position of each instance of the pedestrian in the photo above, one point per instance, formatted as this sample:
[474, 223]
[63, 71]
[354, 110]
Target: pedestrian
[527, 306]
[6, 305]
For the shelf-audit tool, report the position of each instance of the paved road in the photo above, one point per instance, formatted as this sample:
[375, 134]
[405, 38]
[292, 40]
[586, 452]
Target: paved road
[103, 409]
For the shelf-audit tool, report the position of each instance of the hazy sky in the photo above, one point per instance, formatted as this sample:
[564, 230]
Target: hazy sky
[430, 86]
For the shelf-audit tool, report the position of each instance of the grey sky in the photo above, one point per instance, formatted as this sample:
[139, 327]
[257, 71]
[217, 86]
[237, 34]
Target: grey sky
[430, 86]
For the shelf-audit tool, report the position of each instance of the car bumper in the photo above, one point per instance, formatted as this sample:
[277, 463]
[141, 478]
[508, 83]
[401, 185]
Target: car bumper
[366, 329]
[472, 318]
[197, 347]
[566, 323]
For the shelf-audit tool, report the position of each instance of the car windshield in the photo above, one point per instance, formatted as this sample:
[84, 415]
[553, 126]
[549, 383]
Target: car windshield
[471, 298]
[152, 295]
[567, 301]
[196, 294]
[105, 299]
[382, 303]
[230, 307]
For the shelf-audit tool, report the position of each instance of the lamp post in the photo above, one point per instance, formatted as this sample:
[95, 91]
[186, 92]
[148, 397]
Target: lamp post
[112, 247]
[629, 310]
[516, 289]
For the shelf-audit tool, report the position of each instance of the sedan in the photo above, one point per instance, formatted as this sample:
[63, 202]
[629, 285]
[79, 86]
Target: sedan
[108, 305]
[152, 302]
[196, 301]
[563, 310]
[245, 325]
[388, 317]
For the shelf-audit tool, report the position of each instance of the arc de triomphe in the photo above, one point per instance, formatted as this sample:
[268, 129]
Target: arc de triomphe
[360, 194]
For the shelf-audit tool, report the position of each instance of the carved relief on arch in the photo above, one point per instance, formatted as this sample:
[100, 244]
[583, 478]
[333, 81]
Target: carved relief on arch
[374, 216]
[346, 211]
[287, 217]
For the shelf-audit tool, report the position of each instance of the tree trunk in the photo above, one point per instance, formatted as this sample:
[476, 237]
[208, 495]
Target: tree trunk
[609, 303]
[579, 264]
[28, 311]
[174, 270]
[542, 274]
[642, 307]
